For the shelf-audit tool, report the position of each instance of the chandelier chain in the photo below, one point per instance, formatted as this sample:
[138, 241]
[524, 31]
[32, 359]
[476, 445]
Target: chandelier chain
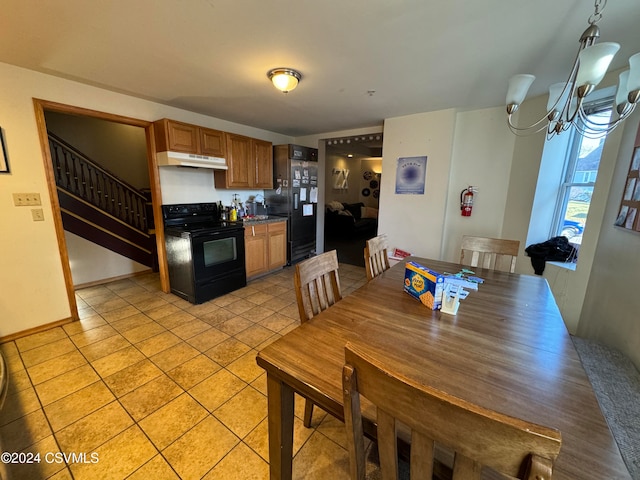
[597, 15]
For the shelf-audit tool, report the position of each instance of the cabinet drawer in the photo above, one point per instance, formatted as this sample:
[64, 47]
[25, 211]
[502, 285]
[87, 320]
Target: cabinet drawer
[258, 229]
[277, 227]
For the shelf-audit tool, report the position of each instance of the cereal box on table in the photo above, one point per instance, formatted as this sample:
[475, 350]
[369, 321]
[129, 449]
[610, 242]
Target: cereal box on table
[424, 284]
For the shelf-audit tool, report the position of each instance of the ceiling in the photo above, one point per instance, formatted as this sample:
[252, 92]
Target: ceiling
[362, 60]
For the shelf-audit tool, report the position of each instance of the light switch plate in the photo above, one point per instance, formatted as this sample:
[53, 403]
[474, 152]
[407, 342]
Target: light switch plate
[33, 199]
[25, 199]
[37, 214]
[19, 199]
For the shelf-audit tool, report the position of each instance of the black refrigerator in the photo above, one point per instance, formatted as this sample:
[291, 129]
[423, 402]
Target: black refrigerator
[295, 197]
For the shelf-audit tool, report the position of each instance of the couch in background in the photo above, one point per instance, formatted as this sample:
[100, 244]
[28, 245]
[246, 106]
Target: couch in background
[344, 221]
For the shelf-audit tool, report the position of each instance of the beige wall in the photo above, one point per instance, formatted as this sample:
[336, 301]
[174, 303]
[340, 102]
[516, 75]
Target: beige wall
[30, 265]
[612, 303]
[334, 163]
[357, 166]
[415, 223]
[482, 156]
[92, 263]
[121, 149]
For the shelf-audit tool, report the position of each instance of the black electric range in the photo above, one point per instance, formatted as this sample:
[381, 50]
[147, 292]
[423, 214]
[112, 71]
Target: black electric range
[205, 255]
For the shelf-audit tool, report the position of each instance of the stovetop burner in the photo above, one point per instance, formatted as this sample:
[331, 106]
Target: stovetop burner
[195, 218]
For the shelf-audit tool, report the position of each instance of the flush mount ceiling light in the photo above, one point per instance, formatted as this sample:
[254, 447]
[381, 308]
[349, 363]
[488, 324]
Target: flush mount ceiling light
[284, 79]
[565, 106]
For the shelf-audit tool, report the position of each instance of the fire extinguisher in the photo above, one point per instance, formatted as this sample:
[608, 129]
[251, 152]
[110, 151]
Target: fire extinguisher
[466, 201]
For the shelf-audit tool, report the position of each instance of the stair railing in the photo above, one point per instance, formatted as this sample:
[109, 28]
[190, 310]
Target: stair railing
[82, 177]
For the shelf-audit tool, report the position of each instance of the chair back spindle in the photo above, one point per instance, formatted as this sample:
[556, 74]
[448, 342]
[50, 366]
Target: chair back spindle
[489, 253]
[376, 259]
[317, 284]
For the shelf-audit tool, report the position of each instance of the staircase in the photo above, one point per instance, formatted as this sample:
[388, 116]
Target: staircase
[98, 206]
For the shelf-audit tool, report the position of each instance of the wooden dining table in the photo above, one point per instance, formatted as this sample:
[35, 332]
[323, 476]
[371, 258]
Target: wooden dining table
[506, 349]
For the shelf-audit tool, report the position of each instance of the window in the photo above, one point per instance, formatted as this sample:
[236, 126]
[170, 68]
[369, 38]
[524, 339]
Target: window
[580, 172]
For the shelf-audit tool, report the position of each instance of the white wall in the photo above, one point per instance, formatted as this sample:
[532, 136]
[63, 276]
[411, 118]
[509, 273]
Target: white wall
[415, 223]
[91, 262]
[482, 156]
[30, 265]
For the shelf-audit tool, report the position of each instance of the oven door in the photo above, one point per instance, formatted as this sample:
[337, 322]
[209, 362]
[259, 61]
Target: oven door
[218, 254]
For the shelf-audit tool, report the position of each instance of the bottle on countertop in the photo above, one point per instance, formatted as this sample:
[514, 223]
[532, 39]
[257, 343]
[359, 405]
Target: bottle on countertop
[233, 213]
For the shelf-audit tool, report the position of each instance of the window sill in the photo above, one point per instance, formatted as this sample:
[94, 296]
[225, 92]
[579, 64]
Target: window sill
[565, 265]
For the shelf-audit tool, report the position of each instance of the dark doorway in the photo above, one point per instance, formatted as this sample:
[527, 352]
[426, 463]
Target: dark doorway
[352, 194]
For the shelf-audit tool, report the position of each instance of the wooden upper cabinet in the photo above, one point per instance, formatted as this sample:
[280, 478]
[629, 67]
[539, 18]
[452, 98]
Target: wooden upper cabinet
[250, 163]
[172, 136]
[212, 143]
[263, 154]
[240, 173]
[249, 160]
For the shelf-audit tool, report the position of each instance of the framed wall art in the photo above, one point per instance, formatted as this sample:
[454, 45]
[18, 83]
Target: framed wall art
[411, 175]
[628, 217]
[4, 161]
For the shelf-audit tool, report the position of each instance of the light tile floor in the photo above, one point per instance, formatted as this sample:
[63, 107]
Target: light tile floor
[148, 386]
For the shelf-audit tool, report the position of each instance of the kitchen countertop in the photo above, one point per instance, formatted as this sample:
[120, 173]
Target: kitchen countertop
[249, 222]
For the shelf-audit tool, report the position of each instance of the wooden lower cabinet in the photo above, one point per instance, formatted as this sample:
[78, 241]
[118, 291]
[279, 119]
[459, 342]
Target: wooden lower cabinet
[265, 247]
[277, 245]
[256, 247]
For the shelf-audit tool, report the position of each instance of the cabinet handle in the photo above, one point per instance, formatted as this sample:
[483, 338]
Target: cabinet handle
[253, 230]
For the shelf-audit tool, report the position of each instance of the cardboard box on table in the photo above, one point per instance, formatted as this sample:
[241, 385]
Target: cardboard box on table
[424, 284]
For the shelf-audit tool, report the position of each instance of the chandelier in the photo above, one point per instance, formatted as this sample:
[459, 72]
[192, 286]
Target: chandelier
[565, 107]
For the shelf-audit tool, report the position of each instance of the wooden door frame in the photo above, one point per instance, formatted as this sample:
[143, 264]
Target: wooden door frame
[154, 179]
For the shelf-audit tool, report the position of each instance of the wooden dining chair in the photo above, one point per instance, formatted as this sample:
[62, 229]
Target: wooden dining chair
[317, 287]
[376, 259]
[491, 253]
[478, 436]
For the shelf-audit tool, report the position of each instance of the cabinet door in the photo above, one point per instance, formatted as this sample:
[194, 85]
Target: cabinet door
[212, 143]
[263, 155]
[277, 245]
[256, 249]
[182, 137]
[238, 160]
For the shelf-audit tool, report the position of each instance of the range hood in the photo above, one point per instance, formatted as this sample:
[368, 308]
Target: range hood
[190, 160]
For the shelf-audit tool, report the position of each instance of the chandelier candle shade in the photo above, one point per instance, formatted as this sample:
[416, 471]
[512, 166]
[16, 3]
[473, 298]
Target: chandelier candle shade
[565, 107]
[284, 79]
